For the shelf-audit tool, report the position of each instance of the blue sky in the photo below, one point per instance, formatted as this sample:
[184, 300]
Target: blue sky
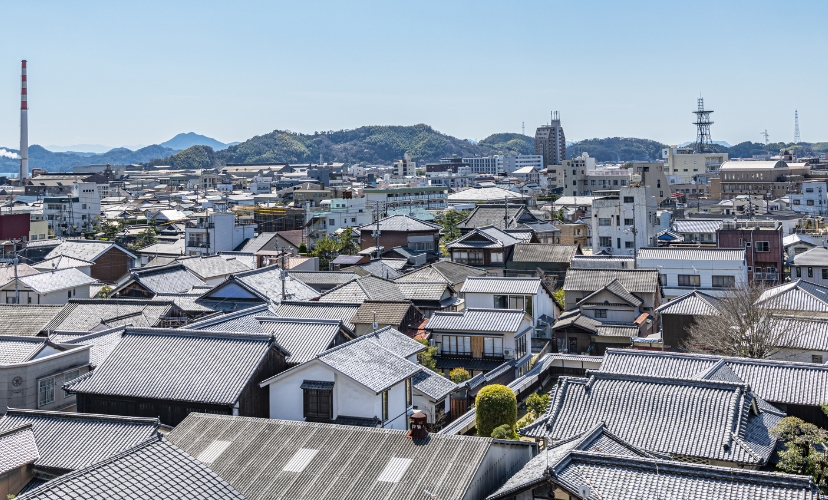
[118, 73]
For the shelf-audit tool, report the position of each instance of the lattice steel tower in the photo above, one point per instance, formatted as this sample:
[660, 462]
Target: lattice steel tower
[704, 144]
[796, 126]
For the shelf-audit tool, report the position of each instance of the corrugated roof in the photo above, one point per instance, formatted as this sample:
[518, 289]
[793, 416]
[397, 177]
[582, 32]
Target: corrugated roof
[477, 320]
[817, 256]
[57, 280]
[543, 252]
[686, 226]
[687, 254]
[178, 365]
[496, 285]
[71, 441]
[636, 281]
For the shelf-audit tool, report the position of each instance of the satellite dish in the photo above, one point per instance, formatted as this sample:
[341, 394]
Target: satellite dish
[584, 492]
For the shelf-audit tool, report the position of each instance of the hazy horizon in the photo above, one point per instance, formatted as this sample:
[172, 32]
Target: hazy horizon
[102, 73]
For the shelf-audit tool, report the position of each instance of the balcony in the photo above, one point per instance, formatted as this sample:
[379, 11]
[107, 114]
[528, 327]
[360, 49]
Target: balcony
[198, 244]
[201, 225]
[766, 276]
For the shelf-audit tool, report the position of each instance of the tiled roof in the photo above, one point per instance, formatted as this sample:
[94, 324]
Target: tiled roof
[56, 280]
[492, 238]
[321, 310]
[153, 469]
[179, 365]
[782, 382]
[362, 289]
[696, 226]
[387, 312]
[477, 320]
[442, 272]
[19, 349]
[347, 464]
[7, 272]
[303, 338]
[543, 252]
[588, 280]
[701, 419]
[395, 341]
[608, 330]
[494, 214]
[796, 238]
[602, 262]
[689, 253]
[238, 321]
[495, 285]
[400, 223]
[576, 318]
[101, 343]
[27, 319]
[433, 385]
[799, 296]
[71, 441]
[323, 277]
[246, 258]
[422, 291]
[694, 303]
[85, 315]
[267, 283]
[375, 368]
[87, 250]
[381, 269]
[174, 278]
[17, 447]
[61, 262]
[817, 256]
[213, 266]
[616, 288]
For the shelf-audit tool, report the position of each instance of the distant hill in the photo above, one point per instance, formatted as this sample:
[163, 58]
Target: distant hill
[617, 149]
[184, 141]
[517, 143]
[40, 157]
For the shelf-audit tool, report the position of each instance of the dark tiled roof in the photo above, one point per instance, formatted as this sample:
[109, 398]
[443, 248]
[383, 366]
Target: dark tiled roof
[321, 310]
[70, 441]
[27, 320]
[588, 280]
[495, 215]
[423, 291]
[238, 321]
[442, 272]
[362, 289]
[153, 469]
[387, 312]
[543, 252]
[101, 343]
[400, 223]
[491, 238]
[616, 288]
[174, 278]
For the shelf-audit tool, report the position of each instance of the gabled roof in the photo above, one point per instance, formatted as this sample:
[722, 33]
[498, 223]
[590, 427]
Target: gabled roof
[817, 256]
[71, 441]
[86, 315]
[267, 284]
[433, 385]
[797, 296]
[369, 364]
[380, 268]
[179, 365]
[604, 262]
[400, 223]
[634, 280]
[484, 237]
[447, 272]
[15, 350]
[17, 448]
[495, 215]
[245, 320]
[694, 303]
[101, 343]
[477, 320]
[615, 288]
[362, 289]
[393, 340]
[423, 291]
[7, 271]
[543, 252]
[323, 277]
[213, 266]
[88, 250]
[61, 262]
[497, 285]
[174, 278]
[27, 319]
[56, 280]
[152, 469]
[386, 312]
[798, 238]
[699, 419]
[696, 225]
[690, 253]
[304, 338]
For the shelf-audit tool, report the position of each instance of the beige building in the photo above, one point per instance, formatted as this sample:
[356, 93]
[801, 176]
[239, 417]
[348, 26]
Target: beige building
[759, 178]
[687, 163]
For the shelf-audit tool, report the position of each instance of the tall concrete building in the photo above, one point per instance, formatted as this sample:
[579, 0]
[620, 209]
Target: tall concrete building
[550, 142]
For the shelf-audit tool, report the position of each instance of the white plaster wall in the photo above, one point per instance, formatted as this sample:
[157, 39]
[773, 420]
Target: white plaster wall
[286, 396]
[800, 355]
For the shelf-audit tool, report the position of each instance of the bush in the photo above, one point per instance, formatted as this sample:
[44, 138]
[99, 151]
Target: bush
[426, 357]
[459, 375]
[537, 404]
[303, 248]
[504, 432]
[496, 405]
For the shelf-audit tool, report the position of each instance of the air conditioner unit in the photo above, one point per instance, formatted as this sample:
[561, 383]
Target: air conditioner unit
[508, 353]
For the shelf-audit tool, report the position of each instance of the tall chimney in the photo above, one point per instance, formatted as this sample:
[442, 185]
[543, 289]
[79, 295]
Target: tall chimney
[24, 128]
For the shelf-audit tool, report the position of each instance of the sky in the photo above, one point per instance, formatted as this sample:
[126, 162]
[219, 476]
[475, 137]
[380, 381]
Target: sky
[118, 73]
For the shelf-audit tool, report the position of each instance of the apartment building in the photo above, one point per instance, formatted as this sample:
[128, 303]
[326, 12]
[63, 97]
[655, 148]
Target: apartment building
[209, 233]
[687, 163]
[623, 220]
[763, 244]
[811, 198]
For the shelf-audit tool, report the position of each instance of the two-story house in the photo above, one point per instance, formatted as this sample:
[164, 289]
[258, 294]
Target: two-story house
[401, 231]
[481, 340]
[54, 287]
[485, 247]
[811, 265]
[682, 270]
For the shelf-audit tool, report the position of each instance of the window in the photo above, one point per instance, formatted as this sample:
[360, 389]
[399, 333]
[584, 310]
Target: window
[72, 375]
[629, 244]
[799, 272]
[600, 313]
[810, 202]
[45, 391]
[689, 280]
[604, 221]
[471, 257]
[629, 222]
[11, 300]
[318, 404]
[628, 199]
[408, 393]
[762, 246]
[810, 272]
[606, 241]
[516, 302]
[497, 257]
[724, 281]
[456, 345]
[501, 302]
[824, 274]
[520, 347]
[816, 358]
[796, 202]
[492, 346]
[662, 279]
[332, 222]
[384, 406]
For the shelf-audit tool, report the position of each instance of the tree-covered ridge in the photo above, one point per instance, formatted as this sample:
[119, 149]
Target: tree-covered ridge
[617, 149]
[510, 143]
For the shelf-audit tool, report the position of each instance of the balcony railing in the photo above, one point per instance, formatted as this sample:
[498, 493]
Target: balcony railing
[198, 244]
[766, 276]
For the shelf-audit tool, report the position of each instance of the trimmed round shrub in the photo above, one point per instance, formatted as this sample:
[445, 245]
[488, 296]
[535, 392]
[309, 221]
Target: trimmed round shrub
[495, 405]
[459, 375]
[504, 432]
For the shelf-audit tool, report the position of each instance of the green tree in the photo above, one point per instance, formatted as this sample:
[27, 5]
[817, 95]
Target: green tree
[450, 219]
[537, 404]
[495, 405]
[459, 375]
[347, 245]
[104, 292]
[326, 250]
[803, 453]
[560, 298]
[303, 249]
[426, 357]
[504, 432]
[146, 238]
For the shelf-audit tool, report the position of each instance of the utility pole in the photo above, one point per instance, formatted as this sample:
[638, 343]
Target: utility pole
[16, 283]
[282, 274]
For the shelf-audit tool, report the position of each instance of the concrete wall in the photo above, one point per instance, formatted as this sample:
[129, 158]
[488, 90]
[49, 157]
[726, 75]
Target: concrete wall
[28, 296]
[501, 462]
[22, 392]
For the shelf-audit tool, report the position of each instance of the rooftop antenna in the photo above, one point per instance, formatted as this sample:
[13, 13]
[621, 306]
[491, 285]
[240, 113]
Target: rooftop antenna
[766, 135]
[796, 126]
[704, 144]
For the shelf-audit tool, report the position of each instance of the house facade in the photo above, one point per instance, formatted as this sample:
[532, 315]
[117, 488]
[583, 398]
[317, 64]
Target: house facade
[681, 270]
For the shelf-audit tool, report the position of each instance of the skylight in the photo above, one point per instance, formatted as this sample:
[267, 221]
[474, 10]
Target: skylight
[394, 471]
[212, 452]
[300, 460]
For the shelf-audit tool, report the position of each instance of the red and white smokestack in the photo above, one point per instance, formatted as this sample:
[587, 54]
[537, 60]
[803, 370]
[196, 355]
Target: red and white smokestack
[24, 127]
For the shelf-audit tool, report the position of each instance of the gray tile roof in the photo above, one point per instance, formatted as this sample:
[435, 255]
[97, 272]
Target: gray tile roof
[496, 285]
[387, 312]
[347, 465]
[400, 223]
[181, 365]
[636, 281]
[694, 303]
[689, 253]
[246, 258]
[796, 238]
[423, 291]
[27, 319]
[491, 238]
[267, 283]
[494, 215]
[88, 250]
[814, 257]
[543, 252]
[701, 419]
[101, 343]
[84, 315]
[174, 278]
[304, 338]
[154, 469]
[575, 318]
[213, 266]
[433, 385]
[71, 441]
[696, 226]
[57, 280]
[17, 447]
[616, 288]
[381, 269]
[238, 321]
[362, 289]
[20, 349]
[607, 330]
[782, 382]
[377, 368]
[321, 310]
[323, 277]
[7, 271]
[602, 262]
[441, 272]
[395, 341]
[799, 296]
[61, 262]
[477, 320]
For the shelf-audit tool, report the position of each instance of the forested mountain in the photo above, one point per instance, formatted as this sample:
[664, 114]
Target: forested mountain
[57, 162]
[617, 149]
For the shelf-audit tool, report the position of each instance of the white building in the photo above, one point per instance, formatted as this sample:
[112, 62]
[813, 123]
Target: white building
[210, 233]
[624, 220]
[405, 167]
[811, 265]
[682, 270]
[337, 213]
[521, 161]
[811, 199]
[54, 287]
[686, 163]
[527, 294]
[530, 175]
[71, 214]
